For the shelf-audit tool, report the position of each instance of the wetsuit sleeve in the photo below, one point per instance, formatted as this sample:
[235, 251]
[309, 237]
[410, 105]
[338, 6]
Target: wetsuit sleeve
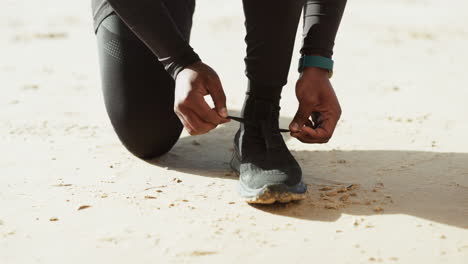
[321, 21]
[152, 23]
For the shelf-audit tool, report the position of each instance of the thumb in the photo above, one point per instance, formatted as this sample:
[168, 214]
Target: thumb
[219, 98]
[300, 119]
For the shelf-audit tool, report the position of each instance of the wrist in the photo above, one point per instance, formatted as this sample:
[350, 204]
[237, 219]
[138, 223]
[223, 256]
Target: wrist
[181, 63]
[308, 62]
[315, 71]
[194, 66]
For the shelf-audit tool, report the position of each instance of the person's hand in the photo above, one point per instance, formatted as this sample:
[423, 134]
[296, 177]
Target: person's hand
[192, 84]
[317, 100]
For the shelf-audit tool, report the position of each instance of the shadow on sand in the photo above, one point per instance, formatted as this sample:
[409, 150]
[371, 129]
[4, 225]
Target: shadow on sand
[428, 185]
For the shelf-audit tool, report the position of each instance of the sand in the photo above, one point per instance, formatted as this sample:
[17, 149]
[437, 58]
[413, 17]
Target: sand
[70, 193]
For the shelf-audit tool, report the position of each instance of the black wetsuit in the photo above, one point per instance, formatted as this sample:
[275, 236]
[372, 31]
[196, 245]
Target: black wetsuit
[143, 44]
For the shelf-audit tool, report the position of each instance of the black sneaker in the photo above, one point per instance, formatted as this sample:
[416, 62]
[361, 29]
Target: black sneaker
[268, 171]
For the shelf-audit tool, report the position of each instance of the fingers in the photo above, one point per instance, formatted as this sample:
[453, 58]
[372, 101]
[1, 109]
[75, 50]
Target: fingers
[197, 116]
[309, 123]
[192, 84]
[320, 134]
[300, 119]
[193, 123]
[209, 115]
[316, 119]
[318, 101]
[218, 96]
[309, 135]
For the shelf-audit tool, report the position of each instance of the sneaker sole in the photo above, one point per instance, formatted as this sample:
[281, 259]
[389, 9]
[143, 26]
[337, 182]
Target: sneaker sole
[268, 194]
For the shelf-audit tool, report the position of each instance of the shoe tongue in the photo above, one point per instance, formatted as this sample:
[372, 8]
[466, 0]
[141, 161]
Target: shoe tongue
[256, 110]
[261, 113]
[262, 110]
[261, 118]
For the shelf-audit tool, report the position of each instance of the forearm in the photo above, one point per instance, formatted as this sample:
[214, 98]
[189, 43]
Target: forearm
[152, 23]
[321, 22]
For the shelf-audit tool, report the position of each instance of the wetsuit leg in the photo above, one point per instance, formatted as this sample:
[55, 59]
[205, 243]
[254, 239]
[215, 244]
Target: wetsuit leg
[138, 92]
[271, 30]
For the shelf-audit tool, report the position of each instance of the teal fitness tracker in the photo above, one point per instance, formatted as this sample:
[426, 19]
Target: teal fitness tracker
[316, 61]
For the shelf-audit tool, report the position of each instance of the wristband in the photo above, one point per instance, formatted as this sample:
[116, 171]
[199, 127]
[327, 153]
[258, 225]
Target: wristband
[316, 61]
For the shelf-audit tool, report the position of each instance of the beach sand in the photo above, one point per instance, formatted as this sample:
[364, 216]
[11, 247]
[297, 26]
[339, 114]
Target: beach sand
[71, 193]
